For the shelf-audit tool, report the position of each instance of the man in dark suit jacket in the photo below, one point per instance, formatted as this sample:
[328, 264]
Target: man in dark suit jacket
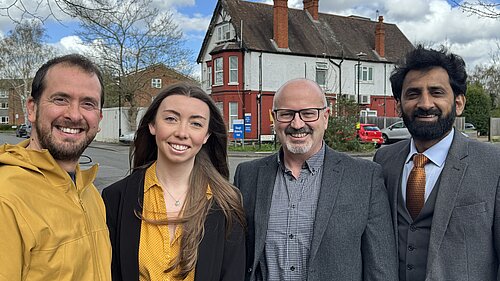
[313, 213]
[455, 232]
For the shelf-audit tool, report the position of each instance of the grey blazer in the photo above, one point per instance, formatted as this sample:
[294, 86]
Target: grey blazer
[353, 237]
[465, 231]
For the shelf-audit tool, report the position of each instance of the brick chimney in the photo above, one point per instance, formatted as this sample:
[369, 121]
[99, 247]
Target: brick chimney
[312, 7]
[281, 23]
[380, 37]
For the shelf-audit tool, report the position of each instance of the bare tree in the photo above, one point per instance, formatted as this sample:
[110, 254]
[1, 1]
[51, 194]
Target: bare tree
[20, 10]
[481, 8]
[22, 52]
[129, 40]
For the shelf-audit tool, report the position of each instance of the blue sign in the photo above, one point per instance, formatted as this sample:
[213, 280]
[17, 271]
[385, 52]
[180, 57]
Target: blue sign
[248, 122]
[238, 129]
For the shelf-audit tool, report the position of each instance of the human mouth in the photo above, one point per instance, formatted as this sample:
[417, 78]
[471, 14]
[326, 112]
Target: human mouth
[299, 135]
[72, 131]
[179, 147]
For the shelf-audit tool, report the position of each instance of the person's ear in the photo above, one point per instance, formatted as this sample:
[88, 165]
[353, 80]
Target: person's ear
[152, 128]
[460, 104]
[206, 138]
[31, 108]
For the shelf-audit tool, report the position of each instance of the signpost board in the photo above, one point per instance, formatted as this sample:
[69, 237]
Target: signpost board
[248, 122]
[238, 125]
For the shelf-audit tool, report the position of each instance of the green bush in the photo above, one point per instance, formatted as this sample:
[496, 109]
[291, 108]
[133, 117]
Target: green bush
[341, 132]
[6, 127]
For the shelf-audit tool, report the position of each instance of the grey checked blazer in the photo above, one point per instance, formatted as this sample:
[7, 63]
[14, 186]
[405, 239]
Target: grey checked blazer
[353, 236]
[465, 232]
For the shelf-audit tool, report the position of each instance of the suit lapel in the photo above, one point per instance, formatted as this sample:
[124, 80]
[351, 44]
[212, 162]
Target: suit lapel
[394, 182]
[330, 185]
[130, 227]
[450, 184]
[266, 176]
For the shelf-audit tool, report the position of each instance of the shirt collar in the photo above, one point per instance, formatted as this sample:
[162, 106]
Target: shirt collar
[313, 164]
[151, 180]
[436, 153]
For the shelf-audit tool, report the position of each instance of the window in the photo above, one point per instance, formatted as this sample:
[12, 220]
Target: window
[156, 83]
[223, 32]
[4, 105]
[364, 99]
[219, 74]
[366, 74]
[321, 73]
[233, 114]
[4, 119]
[233, 69]
[220, 106]
[4, 94]
[209, 78]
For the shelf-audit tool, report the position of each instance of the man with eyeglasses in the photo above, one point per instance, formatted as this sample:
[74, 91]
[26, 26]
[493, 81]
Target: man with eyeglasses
[313, 213]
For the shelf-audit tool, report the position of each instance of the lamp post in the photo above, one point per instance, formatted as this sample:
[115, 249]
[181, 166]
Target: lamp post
[359, 55]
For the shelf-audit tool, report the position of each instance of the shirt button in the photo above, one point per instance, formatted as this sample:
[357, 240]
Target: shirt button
[413, 228]
[292, 268]
[411, 248]
[409, 266]
[293, 206]
[291, 236]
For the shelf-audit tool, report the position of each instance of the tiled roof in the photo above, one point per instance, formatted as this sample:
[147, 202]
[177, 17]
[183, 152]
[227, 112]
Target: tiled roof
[331, 36]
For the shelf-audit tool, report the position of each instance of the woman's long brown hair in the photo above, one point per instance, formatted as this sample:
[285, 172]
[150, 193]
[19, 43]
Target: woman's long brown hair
[210, 168]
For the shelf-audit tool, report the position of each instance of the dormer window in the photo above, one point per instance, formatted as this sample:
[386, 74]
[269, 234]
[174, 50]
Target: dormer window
[223, 32]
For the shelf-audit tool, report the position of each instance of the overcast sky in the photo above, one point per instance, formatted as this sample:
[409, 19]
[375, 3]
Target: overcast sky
[432, 22]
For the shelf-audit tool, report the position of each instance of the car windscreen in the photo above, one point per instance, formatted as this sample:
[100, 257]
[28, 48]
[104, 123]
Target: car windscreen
[371, 128]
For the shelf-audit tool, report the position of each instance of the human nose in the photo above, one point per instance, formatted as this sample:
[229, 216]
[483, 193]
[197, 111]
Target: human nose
[425, 101]
[73, 112]
[297, 122]
[182, 131]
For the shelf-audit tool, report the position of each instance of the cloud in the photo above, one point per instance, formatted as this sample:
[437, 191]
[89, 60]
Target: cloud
[71, 44]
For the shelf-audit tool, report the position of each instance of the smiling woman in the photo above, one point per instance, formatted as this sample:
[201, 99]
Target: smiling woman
[178, 195]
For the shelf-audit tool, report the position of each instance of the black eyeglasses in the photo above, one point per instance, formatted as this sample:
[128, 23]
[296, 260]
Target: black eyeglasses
[306, 114]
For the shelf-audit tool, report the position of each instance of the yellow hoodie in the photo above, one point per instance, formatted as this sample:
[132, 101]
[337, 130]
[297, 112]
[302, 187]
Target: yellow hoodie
[50, 228]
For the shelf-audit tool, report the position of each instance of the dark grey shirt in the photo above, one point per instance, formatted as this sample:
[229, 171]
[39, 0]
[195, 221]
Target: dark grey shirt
[291, 220]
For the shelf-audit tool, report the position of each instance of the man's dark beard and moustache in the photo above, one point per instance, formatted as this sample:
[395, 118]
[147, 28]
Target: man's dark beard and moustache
[66, 151]
[422, 130]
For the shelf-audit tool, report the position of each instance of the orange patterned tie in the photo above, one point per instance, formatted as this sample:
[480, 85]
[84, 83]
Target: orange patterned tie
[415, 186]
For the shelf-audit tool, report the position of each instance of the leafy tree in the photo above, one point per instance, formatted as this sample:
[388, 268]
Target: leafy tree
[489, 78]
[132, 38]
[478, 108]
[341, 132]
[22, 52]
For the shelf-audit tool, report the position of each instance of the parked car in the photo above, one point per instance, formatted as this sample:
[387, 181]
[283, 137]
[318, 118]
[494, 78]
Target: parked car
[395, 132]
[127, 138]
[23, 131]
[469, 126]
[370, 133]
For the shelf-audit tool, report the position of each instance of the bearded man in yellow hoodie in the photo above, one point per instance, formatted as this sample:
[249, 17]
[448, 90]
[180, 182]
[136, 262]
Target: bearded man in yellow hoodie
[53, 224]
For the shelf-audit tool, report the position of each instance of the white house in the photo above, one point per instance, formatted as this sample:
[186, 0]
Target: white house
[250, 49]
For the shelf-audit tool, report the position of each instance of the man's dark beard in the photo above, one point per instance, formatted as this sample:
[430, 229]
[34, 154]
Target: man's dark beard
[421, 130]
[66, 152]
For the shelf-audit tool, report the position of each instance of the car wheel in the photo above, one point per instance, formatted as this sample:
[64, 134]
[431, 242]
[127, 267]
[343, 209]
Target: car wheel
[386, 139]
